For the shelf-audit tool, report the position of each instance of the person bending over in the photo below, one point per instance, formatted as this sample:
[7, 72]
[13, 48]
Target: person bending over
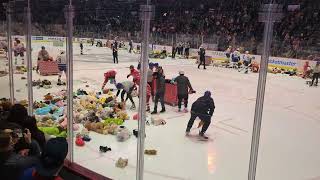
[203, 108]
[127, 87]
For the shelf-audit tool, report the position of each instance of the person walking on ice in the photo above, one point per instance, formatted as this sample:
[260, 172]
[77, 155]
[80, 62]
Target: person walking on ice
[81, 48]
[183, 87]
[202, 57]
[203, 108]
[160, 91]
[316, 74]
[62, 65]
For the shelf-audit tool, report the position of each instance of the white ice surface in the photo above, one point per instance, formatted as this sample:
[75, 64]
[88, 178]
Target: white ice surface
[289, 146]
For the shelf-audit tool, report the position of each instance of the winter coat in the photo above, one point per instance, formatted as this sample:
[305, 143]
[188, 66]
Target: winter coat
[13, 164]
[183, 85]
[203, 105]
[127, 85]
[202, 53]
[149, 75]
[316, 69]
[135, 74]
[160, 85]
[110, 74]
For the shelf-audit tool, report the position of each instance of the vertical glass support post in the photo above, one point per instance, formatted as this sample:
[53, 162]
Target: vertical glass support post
[29, 59]
[146, 11]
[269, 15]
[9, 38]
[69, 19]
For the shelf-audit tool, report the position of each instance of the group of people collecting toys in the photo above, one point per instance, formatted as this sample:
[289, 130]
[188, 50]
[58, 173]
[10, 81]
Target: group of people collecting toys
[203, 107]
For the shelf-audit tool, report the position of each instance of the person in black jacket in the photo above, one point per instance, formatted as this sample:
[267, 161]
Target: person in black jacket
[202, 58]
[19, 115]
[183, 87]
[115, 53]
[160, 90]
[130, 46]
[174, 50]
[203, 108]
[81, 48]
[13, 162]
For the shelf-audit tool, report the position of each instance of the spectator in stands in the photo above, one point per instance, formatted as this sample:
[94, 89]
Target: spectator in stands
[14, 161]
[19, 115]
[51, 161]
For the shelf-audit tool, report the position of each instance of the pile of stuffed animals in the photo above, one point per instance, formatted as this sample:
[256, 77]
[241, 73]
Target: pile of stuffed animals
[100, 113]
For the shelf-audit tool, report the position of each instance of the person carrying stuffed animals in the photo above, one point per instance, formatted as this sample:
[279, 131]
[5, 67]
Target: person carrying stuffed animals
[43, 54]
[109, 75]
[306, 70]
[203, 108]
[148, 96]
[127, 87]
[62, 65]
[183, 87]
[135, 74]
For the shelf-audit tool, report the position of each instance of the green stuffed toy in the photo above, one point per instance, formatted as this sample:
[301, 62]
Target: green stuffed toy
[116, 121]
[53, 131]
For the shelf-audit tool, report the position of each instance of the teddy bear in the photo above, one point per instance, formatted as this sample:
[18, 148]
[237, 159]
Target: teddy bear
[156, 120]
[122, 115]
[122, 163]
[97, 127]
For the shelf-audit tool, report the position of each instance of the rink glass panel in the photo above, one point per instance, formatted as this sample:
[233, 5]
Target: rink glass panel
[104, 24]
[234, 93]
[290, 123]
[5, 90]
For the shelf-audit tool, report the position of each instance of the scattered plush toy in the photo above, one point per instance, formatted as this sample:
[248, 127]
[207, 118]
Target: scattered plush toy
[116, 121]
[123, 134]
[55, 131]
[48, 97]
[79, 142]
[123, 115]
[122, 163]
[86, 138]
[156, 120]
[150, 152]
[104, 149]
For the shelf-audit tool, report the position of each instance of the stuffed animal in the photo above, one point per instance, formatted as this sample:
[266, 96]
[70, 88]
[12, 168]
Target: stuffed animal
[123, 115]
[155, 120]
[116, 121]
[122, 163]
[150, 152]
[123, 134]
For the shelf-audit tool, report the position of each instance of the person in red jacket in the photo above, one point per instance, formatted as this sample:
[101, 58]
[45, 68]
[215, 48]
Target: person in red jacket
[135, 74]
[109, 75]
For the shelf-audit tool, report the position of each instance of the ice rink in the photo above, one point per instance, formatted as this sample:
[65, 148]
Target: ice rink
[289, 143]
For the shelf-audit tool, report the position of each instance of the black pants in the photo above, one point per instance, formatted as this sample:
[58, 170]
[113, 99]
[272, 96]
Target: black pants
[81, 50]
[159, 96]
[202, 61]
[183, 97]
[128, 95]
[315, 77]
[173, 54]
[203, 117]
[115, 58]
[130, 50]
[186, 52]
